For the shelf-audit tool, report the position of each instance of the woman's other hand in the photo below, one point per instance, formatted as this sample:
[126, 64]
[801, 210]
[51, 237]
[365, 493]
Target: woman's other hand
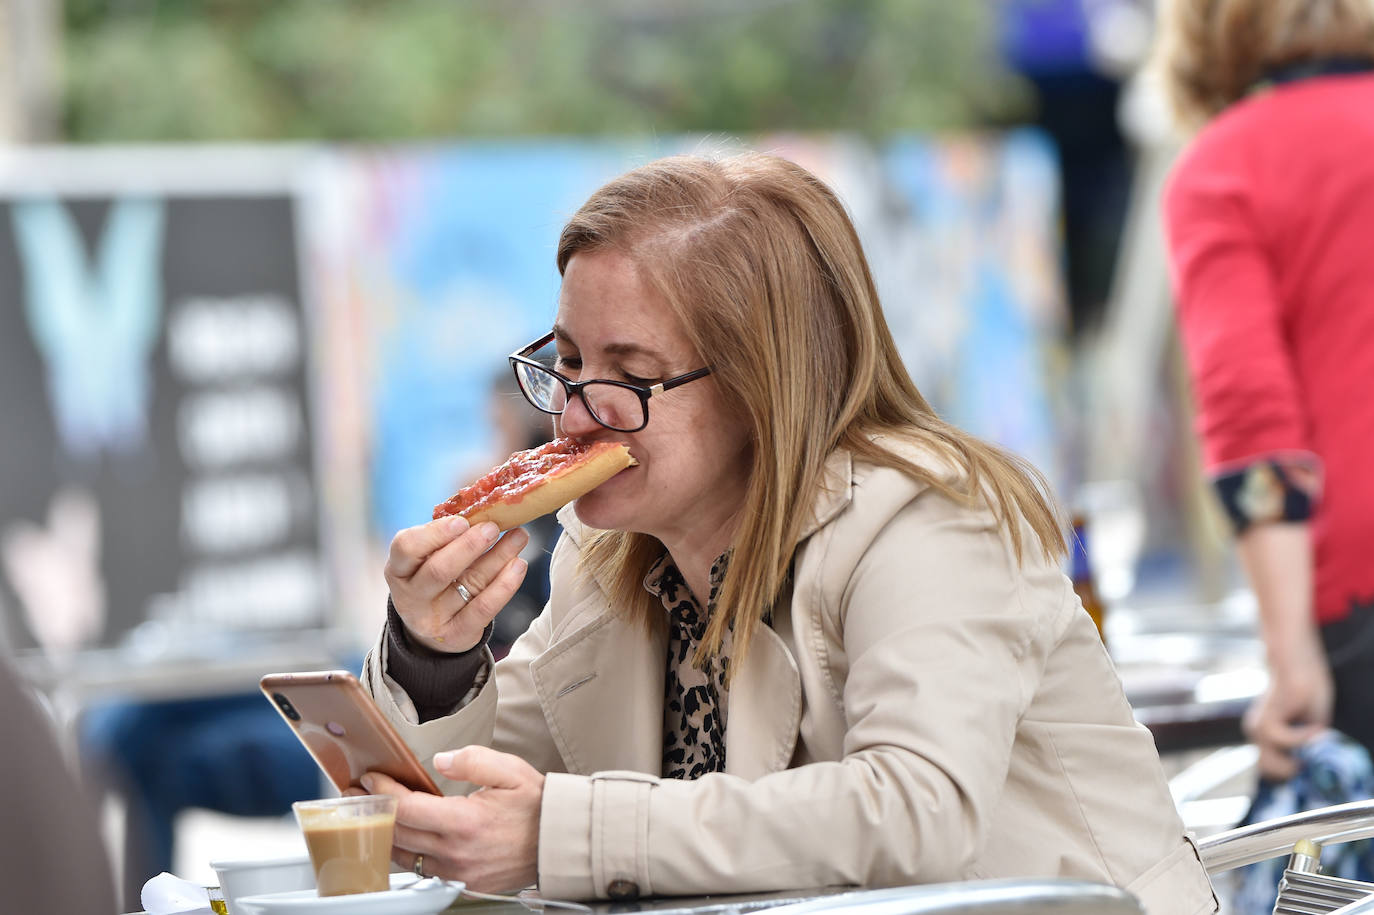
[1295, 708]
[1297, 705]
[488, 839]
[428, 562]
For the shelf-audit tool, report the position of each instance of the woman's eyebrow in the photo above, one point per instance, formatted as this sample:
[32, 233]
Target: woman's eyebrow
[615, 349]
[632, 349]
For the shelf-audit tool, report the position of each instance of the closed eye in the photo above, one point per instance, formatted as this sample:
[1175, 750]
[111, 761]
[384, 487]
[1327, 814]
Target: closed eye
[572, 366]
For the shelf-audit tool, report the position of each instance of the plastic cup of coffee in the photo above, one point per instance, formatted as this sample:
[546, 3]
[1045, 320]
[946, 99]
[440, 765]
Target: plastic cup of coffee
[349, 840]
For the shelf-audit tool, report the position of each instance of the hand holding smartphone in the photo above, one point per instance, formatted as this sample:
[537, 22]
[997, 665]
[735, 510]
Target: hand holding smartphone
[341, 727]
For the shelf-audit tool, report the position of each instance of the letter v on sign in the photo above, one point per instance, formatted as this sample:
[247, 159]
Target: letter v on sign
[94, 325]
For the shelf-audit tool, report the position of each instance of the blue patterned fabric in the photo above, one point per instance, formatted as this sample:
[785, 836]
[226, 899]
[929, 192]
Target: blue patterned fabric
[1333, 770]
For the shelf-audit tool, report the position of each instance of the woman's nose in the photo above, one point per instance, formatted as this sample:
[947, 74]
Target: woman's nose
[576, 419]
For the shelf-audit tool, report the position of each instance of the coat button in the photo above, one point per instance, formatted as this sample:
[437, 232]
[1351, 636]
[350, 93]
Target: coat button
[623, 889]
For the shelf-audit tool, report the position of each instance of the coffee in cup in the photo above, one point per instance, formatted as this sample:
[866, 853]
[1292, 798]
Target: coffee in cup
[349, 840]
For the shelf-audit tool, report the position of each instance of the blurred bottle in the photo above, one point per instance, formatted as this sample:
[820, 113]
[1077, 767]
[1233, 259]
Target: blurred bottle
[1082, 575]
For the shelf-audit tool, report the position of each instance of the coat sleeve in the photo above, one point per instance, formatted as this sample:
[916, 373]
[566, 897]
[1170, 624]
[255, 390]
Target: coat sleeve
[939, 656]
[517, 726]
[470, 724]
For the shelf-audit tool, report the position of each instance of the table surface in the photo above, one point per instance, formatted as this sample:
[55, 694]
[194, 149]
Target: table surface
[112, 673]
[658, 905]
[1189, 671]
[1051, 896]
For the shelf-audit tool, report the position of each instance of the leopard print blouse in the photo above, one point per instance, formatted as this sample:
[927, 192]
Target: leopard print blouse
[695, 699]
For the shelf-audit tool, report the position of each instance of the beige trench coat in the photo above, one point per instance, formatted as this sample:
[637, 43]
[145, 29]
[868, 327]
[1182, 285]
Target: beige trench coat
[921, 710]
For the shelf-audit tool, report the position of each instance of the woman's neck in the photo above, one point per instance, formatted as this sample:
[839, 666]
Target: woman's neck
[696, 553]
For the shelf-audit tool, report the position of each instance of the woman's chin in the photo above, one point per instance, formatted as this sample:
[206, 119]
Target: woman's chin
[596, 511]
[607, 507]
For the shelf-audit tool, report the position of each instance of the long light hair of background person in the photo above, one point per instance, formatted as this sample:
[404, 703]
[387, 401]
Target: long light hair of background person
[761, 264]
[1209, 54]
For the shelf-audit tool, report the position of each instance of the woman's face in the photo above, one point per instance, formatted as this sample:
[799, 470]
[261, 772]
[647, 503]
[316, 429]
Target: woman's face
[694, 454]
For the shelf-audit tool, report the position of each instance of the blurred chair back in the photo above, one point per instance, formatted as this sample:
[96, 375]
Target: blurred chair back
[51, 855]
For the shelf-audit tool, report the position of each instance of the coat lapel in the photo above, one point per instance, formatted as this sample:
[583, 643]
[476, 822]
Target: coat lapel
[765, 694]
[601, 689]
[765, 709]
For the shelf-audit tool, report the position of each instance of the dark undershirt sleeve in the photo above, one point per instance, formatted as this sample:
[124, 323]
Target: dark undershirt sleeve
[435, 681]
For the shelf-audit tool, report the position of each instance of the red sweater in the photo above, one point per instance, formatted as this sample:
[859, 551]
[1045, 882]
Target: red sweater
[1270, 216]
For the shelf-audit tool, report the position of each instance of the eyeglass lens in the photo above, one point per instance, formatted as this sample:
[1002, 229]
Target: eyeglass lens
[611, 405]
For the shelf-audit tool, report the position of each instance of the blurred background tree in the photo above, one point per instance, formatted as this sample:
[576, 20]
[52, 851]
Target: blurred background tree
[152, 70]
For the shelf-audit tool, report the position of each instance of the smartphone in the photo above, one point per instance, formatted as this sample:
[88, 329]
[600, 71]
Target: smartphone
[343, 729]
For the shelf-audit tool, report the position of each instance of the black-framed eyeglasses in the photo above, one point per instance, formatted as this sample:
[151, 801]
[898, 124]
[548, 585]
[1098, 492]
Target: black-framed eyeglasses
[617, 405]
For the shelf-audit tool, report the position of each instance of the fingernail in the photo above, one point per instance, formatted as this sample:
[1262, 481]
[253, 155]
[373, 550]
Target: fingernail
[519, 565]
[368, 782]
[443, 760]
[488, 530]
[458, 524]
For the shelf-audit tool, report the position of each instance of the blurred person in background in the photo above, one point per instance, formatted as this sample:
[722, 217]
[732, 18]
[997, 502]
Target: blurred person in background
[228, 754]
[816, 636]
[52, 857]
[1270, 216]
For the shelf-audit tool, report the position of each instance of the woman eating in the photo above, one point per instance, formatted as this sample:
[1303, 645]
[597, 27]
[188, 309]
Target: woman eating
[814, 636]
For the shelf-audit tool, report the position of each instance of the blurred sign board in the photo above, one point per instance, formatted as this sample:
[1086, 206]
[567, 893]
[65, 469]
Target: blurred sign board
[162, 473]
[156, 465]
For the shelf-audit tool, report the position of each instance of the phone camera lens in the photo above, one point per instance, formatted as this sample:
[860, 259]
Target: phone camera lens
[286, 707]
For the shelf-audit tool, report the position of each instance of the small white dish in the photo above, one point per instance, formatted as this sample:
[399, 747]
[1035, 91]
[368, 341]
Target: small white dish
[409, 895]
[256, 876]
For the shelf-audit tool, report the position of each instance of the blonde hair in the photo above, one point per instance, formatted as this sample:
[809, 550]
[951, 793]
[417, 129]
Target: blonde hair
[761, 263]
[1211, 53]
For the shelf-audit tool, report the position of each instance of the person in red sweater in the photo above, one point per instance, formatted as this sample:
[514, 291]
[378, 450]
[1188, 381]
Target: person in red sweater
[1270, 221]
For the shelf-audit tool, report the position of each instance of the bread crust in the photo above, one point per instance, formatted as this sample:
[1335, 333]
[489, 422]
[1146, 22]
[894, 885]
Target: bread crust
[551, 492]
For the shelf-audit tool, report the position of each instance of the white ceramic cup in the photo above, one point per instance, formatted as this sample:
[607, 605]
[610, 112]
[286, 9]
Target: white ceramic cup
[255, 876]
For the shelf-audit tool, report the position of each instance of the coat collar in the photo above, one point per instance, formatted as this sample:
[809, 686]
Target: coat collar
[835, 493]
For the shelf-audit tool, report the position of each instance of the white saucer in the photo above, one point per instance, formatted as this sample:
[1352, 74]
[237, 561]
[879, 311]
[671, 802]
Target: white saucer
[409, 895]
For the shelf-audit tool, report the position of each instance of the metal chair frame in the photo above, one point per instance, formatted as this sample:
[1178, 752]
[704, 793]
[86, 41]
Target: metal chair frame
[1303, 890]
[979, 897]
